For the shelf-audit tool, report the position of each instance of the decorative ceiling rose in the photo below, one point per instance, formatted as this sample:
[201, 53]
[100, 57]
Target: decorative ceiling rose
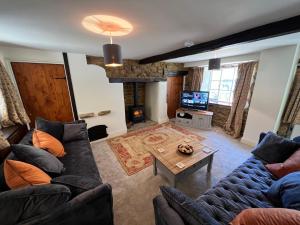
[107, 25]
[214, 64]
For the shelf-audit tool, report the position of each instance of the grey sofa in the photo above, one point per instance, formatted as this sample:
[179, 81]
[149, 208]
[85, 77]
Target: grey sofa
[241, 189]
[92, 206]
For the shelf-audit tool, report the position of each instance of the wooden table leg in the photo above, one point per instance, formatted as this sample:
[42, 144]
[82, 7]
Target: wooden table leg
[174, 182]
[154, 166]
[211, 158]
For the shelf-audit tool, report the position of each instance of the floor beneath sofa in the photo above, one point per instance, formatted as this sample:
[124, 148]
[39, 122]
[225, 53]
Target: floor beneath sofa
[133, 194]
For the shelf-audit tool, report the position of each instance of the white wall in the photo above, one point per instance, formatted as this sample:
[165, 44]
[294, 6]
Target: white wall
[275, 75]
[156, 101]
[227, 60]
[94, 93]
[16, 54]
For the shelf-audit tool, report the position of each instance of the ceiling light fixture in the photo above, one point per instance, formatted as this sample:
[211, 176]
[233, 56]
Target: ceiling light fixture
[109, 26]
[112, 54]
[214, 64]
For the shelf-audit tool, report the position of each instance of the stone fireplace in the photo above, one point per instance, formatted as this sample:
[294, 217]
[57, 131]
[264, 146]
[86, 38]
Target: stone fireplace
[134, 97]
[136, 111]
[144, 87]
[137, 99]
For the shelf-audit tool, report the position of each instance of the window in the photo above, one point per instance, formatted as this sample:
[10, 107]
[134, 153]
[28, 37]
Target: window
[220, 84]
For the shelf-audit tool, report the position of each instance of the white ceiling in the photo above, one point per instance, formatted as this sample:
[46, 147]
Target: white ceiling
[159, 25]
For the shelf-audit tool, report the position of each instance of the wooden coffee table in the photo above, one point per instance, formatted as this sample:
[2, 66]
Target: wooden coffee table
[166, 161]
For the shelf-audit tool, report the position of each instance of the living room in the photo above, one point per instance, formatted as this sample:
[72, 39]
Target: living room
[150, 112]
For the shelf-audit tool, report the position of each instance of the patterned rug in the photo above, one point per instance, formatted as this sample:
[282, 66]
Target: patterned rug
[132, 149]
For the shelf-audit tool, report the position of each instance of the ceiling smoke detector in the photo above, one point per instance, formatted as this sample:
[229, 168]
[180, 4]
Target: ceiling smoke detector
[188, 43]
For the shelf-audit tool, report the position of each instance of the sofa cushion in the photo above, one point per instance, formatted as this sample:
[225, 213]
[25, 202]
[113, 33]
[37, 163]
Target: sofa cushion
[77, 184]
[38, 157]
[19, 174]
[292, 164]
[79, 159]
[272, 216]
[54, 128]
[286, 191]
[47, 142]
[75, 131]
[188, 209]
[275, 149]
[24, 203]
[27, 139]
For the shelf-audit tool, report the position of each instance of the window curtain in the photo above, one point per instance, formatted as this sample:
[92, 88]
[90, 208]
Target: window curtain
[234, 122]
[292, 110]
[3, 142]
[194, 79]
[12, 111]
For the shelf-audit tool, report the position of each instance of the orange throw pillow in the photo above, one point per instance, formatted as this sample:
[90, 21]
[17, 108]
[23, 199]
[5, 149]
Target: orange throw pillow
[19, 174]
[45, 141]
[269, 216]
[292, 164]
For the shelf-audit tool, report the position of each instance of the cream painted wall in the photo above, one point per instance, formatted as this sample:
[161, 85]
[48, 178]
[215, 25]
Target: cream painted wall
[275, 74]
[30, 55]
[156, 101]
[94, 93]
[227, 60]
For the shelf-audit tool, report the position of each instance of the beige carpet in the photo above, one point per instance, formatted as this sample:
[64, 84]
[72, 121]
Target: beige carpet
[133, 194]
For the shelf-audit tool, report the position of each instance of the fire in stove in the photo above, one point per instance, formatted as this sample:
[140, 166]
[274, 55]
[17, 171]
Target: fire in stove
[136, 114]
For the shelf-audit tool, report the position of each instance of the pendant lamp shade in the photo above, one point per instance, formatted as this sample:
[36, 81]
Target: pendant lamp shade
[214, 64]
[112, 55]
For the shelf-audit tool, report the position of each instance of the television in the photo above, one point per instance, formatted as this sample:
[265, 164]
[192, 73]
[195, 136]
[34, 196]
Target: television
[197, 100]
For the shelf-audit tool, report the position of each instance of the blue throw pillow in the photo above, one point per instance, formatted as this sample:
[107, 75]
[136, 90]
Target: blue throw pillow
[285, 192]
[275, 149]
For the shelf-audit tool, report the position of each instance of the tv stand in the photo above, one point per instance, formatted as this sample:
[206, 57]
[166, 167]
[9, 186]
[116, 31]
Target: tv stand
[194, 118]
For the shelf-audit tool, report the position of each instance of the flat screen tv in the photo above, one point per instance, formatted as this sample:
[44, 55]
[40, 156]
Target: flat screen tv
[197, 100]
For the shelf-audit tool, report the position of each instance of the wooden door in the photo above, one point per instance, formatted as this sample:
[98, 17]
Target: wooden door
[174, 88]
[44, 90]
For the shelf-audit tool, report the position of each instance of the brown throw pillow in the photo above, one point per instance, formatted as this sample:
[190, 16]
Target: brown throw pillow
[292, 164]
[19, 174]
[45, 141]
[268, 216]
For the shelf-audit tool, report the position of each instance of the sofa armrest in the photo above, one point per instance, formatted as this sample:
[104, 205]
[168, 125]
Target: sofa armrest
[164, 214]
[91, 207]
[27, 202]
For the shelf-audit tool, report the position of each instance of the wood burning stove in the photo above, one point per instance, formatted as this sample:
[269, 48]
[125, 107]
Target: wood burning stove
[136, 112]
